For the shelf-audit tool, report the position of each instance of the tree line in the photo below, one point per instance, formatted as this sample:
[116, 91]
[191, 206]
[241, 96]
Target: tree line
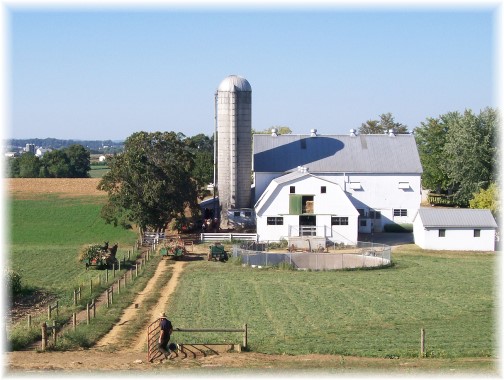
[71, 162]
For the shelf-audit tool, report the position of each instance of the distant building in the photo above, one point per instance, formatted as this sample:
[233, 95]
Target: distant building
[41, 151]
[102, 159]
[30, 148]
[455, 229]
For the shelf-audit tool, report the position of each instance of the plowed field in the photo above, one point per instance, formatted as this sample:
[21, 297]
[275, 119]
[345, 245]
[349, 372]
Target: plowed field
[70, 187]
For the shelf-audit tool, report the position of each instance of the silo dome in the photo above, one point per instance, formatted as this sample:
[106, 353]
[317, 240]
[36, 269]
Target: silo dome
[234, 83]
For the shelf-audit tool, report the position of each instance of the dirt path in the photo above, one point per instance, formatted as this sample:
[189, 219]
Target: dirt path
[130, 313]
[166, 292]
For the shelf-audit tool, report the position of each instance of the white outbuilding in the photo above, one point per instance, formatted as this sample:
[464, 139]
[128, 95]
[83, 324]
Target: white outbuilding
[454, 229]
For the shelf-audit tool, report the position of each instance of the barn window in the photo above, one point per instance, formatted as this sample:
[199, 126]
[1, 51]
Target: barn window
[339, 221]
[274, 221]
[442, 232]
[477, 233]
[400, 212]
[300, 204]
[363, 222]
[323, 189]
[293, 189]
[236, 213]
[247, 214]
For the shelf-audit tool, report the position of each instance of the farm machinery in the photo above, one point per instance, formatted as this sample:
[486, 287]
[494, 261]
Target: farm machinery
[173, 248]
[96, 255]
[217, 252]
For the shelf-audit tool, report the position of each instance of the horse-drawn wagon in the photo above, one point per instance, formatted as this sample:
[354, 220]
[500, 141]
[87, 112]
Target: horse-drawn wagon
[99, 256]
[173, 248]
[217, 252]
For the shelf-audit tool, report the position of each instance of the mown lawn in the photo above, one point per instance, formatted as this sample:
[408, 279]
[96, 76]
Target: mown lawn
[375, 313]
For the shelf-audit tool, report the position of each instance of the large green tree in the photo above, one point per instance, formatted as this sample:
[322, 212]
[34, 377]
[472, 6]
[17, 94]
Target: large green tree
[382, 126]
[79, 161]
[431, 138]
[202, 148]
[150, 182]
[459, 153]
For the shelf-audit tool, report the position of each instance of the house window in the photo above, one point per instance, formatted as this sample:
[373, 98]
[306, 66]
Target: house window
[323, 189]
[355, 185]
[293, 189]
[404, 185]
[339, 221]
[236, 213]
[247, 214]
[442, 232]
[363, 222]
[477, 233]
[274, 221]
[400, 212]
[374, 214]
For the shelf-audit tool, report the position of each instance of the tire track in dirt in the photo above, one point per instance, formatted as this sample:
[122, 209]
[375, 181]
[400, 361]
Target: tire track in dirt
[130, 313]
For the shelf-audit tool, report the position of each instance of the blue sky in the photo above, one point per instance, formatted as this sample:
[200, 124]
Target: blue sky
[106, 73]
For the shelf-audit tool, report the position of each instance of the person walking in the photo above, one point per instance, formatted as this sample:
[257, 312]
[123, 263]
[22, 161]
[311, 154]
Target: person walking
[164, 336]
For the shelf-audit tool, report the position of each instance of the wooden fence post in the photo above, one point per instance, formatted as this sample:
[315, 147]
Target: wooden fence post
[48, 311]
[87, 314]
[422, 343]
[136, 270]
[91, 286]
[245, 336]
[94, 308]
[75, 297]
[44, 336]
[74, 321]
[54, 332]
[119, 286]
[29, 321]
[106, 276]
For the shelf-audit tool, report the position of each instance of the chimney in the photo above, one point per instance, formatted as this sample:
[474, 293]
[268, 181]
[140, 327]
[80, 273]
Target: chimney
[353, 133]
[313, 132]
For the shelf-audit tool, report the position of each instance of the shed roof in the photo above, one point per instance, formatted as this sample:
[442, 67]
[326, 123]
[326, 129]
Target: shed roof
[337, 153]
[456, 217]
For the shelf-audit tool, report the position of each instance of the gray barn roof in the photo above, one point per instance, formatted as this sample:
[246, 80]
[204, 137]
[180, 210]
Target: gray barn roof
[337, 153]
[456, 217]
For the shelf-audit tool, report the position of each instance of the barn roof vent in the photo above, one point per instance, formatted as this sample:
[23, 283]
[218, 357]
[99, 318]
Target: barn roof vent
[391, 133]
[274, 132]
[313, 132]
[353, 133]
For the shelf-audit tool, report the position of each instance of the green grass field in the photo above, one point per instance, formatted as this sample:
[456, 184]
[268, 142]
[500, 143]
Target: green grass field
[46, 235]
[97, 171]
[375, 313]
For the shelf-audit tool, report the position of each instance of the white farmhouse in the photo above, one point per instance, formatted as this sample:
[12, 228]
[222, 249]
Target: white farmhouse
[369, 181]
[455, 229]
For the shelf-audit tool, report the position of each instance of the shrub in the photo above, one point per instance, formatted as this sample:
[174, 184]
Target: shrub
[14, 282]
[395, 227]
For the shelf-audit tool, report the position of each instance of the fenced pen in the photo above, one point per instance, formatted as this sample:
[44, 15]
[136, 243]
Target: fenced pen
[361, 255]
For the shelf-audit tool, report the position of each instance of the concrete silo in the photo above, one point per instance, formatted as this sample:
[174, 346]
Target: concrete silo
[234, 144]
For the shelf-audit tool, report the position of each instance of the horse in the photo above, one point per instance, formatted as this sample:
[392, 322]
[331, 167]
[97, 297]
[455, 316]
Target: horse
[113, 249]
[105, 247]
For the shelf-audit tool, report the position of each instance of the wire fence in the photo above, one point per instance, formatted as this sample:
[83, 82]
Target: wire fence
[361, 255]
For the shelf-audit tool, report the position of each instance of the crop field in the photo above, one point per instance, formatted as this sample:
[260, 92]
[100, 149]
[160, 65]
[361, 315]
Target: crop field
[373, 313]
[48, 222]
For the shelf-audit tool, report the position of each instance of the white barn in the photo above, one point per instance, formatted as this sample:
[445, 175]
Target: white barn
[379, 175]
[454, 229]
[302, 204]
